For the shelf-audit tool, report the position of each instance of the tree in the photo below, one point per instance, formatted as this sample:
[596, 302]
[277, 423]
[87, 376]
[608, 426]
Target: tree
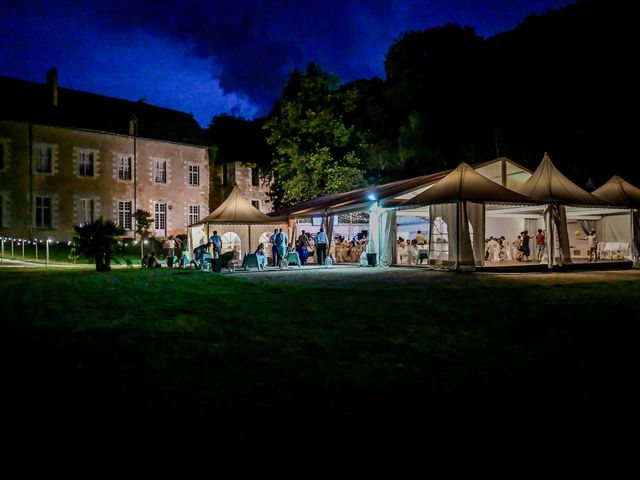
[98, 240]
[143, 219]
[316, 152]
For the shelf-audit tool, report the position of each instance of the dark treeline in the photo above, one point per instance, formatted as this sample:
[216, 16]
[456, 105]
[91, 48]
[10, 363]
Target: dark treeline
[562, 82]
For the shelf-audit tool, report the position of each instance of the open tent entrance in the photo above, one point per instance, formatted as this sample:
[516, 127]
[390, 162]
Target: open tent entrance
[613, 227]
[614, 232]
[504, 227]
[349, 232]
[413, 229]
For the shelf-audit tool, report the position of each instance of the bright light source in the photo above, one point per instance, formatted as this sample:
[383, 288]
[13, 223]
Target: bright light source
[372, 197]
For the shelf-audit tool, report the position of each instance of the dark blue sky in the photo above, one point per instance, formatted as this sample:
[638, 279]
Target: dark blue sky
[212, 57]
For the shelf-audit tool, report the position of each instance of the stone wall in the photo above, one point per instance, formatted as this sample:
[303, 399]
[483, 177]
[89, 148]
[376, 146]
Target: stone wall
[103, 186]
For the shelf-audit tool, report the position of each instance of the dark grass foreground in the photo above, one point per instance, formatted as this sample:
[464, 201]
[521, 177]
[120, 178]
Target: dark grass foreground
[172, 369]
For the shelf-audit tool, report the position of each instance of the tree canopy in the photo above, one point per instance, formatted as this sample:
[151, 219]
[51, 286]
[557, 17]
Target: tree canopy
[559, 82]
[316, 151]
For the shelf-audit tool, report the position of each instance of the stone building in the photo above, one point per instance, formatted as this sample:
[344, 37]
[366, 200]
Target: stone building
[251, 182]
[68, 157]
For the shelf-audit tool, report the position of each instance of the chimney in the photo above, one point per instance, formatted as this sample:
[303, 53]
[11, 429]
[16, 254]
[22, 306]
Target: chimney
[52, 86]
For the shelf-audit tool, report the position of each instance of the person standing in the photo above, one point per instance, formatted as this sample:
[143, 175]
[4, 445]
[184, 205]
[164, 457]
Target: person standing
[281, 246]
[274, 249]
[171, 246]
[526, 250]
[540, 244]
[321, 246]
[303, 247]
[216, 241]
[593, 243]
[420, 240]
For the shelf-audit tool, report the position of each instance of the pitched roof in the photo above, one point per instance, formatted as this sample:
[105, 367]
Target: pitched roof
[237, 209]
[386, 193]
[617, 191]
[21, 100]
[548, 185]
[464, 183]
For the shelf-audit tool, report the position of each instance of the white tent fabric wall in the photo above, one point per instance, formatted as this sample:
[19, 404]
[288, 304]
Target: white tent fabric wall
[196, 236]
[463, 242]
[249, 234]
[382, 234]
[618, 228]
[615, 228]
[443, 235]
[450, 237]
[374, 230]
[635, 215]
[387, 236]
[476, 212]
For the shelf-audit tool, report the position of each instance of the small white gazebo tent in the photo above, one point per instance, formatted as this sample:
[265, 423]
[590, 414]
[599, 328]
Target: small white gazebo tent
[236, 216]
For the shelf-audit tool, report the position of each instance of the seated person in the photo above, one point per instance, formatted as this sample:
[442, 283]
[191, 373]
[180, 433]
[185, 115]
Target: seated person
[262, 259]
[412, 252]
[152, 261]
[184, 260]
[402, 250]
[200, 253]
[145, 260]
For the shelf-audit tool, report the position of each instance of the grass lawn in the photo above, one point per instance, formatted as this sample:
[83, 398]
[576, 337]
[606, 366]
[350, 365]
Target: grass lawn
[472, 375]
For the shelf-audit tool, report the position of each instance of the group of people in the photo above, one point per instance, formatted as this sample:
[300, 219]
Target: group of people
[305, 246]
[350, 251]
[498, 248]
[409, 249]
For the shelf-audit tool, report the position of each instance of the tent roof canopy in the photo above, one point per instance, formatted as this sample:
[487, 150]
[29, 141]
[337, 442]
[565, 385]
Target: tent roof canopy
[548, 185]
[464, 183]
[238, 210]
[386, 193]
[617, 191]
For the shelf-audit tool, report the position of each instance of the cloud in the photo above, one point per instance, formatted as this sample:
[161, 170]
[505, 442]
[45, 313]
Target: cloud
[239, 52]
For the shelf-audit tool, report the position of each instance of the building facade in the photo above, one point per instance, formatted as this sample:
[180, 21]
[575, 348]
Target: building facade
[69, 157]
[251, 181]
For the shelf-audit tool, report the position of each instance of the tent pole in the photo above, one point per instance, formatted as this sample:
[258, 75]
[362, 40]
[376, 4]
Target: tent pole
[459, 204]
[552, 237]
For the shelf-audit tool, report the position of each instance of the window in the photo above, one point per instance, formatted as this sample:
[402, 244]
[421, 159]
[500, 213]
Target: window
[42, 157]
[124, 168]
[194, 214]
[86, 164]
[225, 174]
[440, 239]
[194, 175]
[43, 212]
[160, 217]
[256, 204]
[160, 171]
[230, 241]
[86, 210]
[255, 177]
[124, 214]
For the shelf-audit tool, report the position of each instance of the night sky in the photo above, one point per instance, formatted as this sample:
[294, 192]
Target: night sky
[212, 57]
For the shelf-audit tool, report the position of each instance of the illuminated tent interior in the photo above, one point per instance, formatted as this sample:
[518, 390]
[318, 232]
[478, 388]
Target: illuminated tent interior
[619, 192]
